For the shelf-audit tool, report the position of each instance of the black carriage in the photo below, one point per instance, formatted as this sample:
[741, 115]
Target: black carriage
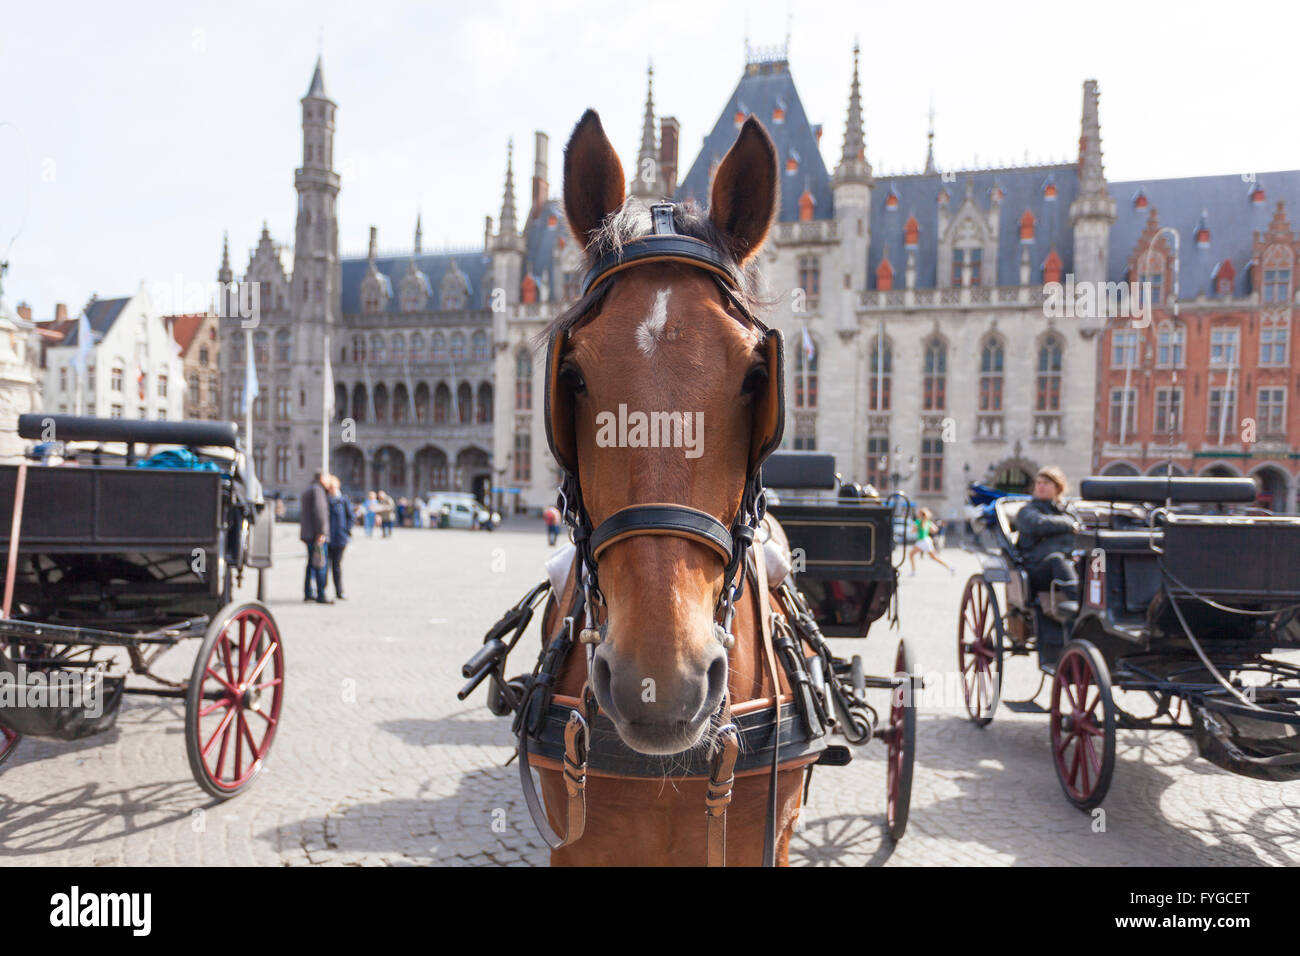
[844, 579]
[1178, 601]
[110, 554]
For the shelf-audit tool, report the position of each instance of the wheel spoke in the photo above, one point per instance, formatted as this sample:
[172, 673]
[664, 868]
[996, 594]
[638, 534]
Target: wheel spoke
[221, 728]
[261, 664]
[222, 681]
[225, 739]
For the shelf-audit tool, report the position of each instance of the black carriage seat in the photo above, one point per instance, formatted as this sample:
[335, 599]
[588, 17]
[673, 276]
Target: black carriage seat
[1019, 592]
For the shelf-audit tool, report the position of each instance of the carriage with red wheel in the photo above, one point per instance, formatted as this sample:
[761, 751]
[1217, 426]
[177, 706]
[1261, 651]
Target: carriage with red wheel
[112, 557]
[1180, 604]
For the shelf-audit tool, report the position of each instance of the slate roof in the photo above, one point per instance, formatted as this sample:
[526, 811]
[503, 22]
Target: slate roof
[763, 87]
[541, 246]
[101, 314]
[1230, 216]
[475, 266]
[1022, 188]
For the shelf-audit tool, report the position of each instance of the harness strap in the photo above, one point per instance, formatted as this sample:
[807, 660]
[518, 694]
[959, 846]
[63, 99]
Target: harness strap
[577, 745]
[759, 569]
[722, 777]
[660, 518]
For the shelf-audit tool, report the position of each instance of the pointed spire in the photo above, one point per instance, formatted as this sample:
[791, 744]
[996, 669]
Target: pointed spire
[1092, 177]
[930, 169]
[418, 236]
[855, 146]
[645, 181]
[507, 219]
[1094, 200]
[853, 166]
[224, 274]
[317, 87]
[373, 252]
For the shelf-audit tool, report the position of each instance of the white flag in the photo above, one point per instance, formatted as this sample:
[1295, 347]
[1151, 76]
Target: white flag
[329, 385]
[250, 377]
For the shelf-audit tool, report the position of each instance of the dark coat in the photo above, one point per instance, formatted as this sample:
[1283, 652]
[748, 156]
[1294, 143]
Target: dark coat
[315, 518]
[1044, 528]
[341, 519]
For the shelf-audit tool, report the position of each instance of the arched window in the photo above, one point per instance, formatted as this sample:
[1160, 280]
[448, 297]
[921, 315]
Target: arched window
[358, 348]
[991, 361]
[283, 348]
[417, 347]
[359, 402]
[465, 403]
[377, 351]
[934, 383]
[340, 402]
[479, 344]
[523, 381]
[399, 347]
[381, 403]
[441, 404]
[805, 377]
[882, 368]
[438, 348]
[401, 405]
[1047, 392]
[458, 346]
[237, 347]
[262, 347]
[483, 411]
[422, 403]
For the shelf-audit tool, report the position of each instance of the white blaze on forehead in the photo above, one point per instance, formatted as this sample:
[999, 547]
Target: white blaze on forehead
[648, 332]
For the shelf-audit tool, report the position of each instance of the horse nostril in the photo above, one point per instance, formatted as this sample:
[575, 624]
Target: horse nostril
[600, 681]
[717, 679]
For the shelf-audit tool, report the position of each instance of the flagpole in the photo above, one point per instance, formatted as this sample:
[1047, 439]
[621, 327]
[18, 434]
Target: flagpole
[250, 358]
[326, 402]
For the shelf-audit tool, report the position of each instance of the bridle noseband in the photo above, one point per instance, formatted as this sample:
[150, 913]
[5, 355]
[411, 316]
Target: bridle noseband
[664, 244]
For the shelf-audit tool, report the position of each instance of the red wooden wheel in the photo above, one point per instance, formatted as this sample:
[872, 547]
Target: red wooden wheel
[232, 707]
[901, 740]
[979, 649]
[8, 741]
[1083, 724]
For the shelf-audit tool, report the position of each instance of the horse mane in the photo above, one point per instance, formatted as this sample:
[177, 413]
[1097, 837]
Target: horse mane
[632, 221]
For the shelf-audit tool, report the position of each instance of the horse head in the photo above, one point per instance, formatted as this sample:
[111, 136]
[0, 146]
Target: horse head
[664, 389]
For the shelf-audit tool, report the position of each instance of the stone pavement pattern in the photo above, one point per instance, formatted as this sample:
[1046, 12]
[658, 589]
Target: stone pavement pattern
[378, 763]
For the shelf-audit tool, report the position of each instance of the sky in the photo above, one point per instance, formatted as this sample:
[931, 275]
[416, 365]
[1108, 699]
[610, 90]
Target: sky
[134, 135]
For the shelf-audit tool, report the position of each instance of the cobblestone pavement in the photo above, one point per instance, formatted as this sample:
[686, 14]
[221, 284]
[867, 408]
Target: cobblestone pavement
[378, 763]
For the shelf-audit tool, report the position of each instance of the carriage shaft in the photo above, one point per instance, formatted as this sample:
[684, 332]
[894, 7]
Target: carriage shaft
[42, 633]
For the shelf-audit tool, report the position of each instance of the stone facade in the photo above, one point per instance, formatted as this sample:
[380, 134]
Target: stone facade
[200, 345]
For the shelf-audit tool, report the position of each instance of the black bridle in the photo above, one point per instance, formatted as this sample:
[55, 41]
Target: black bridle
[664, 244]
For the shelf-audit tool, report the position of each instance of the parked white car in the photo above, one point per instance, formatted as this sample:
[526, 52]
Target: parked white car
[461, 510]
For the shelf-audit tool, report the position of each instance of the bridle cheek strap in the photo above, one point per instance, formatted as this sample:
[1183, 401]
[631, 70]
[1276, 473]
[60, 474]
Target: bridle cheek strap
[659, 518]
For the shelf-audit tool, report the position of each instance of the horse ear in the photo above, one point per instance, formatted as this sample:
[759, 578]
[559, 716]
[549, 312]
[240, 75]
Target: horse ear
[593, 178]
[745, 191]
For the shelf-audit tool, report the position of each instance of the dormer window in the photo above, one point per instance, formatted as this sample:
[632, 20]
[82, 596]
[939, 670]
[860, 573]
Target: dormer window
[1277, 285]
[911, 233]
[1224, 276]
[806, 206]
[792, 162]
[962, 258]
[1140, 200]
[1027, 227]
[1257, 195]
[778, 112]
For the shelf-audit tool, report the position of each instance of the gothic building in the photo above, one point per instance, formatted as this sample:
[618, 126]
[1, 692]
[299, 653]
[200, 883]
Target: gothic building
[923, 348]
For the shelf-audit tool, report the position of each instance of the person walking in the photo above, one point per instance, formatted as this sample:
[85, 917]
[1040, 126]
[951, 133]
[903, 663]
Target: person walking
[371, 509]
[552, 518]
[340, 532]
[924, 545]
[387, 509]
[314, 530]
[417, 512]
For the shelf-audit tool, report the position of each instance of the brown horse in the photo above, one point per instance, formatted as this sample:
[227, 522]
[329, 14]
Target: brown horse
[667, 336]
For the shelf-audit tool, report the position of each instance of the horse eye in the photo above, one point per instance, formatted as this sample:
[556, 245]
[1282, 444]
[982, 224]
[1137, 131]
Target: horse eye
[754, 380]
[573, 380]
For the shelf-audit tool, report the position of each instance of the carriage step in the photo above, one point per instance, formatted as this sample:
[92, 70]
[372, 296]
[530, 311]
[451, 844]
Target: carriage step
[836, 756]
[1024, 707]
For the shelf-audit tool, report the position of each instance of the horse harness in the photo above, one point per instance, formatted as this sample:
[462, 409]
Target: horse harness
[569, 732]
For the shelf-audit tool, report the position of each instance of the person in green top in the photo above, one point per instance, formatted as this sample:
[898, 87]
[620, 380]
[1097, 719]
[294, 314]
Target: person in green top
[924, 526]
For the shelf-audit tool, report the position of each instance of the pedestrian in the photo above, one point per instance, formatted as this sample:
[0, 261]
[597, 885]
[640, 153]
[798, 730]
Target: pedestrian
[417, 512]
[924, 545]
[552, 518]
[314, 529]
[340, 532]
[387, 509]
[371, 511]
[403, 507]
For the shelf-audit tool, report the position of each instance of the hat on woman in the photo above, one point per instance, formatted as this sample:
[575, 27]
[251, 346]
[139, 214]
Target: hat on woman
[1056, 476]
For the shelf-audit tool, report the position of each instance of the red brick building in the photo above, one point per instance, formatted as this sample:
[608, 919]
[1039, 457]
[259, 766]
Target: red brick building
[1210, 386]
